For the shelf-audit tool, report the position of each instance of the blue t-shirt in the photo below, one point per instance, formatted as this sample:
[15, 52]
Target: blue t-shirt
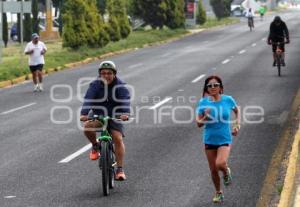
[217, 129]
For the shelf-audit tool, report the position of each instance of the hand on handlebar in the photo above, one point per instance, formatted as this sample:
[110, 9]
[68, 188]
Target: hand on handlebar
[83, 118]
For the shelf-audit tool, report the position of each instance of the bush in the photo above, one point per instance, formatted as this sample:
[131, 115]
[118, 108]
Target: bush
[83, 25]
[114, 29]
[201, 14]
[221, 8]
[175, 14]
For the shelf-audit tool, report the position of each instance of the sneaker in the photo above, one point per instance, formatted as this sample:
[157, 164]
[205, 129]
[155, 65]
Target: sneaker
[40, 87]
[35, 88]
[120, 175]
[227, 178]
[94, 154]
[274, 63]
[218, 198]
[283, 63]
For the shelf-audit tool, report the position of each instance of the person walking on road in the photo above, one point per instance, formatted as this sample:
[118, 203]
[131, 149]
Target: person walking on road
[214, 113]
[36, 50]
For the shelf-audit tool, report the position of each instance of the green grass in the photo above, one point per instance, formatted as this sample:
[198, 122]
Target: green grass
[212, 22]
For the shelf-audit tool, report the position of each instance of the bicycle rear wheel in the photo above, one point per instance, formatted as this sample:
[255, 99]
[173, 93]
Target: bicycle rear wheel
[278, 60]
[104, 159]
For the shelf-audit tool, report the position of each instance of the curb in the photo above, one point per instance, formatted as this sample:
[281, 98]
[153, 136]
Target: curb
[289, 181]
[278, 156]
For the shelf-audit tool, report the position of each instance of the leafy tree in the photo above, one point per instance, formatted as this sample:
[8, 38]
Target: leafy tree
[175, 13]
[101, 4]
[201, 13]
[4, 29]
[153, 12]
[221, 8]
[83, 25]
[35, 20]
[113, 29]
[117, 11]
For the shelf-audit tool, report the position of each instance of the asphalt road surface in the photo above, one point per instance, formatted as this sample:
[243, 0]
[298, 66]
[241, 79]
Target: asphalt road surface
[165, 161]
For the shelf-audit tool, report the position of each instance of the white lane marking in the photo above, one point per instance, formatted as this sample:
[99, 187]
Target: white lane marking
[161, 103]
[264, 39]
[10, 196]
[242, 51]
[253, 45]
[180, 90]
[76, 154]
[135, 66]
[226, 61]
[198, 78]
[18, 108]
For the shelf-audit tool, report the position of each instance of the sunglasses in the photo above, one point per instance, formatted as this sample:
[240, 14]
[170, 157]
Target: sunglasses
[106, 73]
[213, 85]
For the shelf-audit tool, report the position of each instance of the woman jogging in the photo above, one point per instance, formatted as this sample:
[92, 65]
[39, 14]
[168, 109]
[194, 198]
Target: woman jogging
[214, 110]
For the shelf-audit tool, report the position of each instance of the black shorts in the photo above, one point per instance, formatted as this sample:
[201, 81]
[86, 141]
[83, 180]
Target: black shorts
[112, 125]
[281, 46]
[34, 68]
[214, 147]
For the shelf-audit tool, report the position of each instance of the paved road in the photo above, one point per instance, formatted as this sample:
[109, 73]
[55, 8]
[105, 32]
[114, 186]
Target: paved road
[165, 162]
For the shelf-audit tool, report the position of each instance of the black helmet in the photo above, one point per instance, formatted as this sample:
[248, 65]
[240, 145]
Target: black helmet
[277, 19]
[108, 65]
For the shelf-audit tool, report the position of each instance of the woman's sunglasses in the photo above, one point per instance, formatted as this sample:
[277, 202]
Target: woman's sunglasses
[213, 85]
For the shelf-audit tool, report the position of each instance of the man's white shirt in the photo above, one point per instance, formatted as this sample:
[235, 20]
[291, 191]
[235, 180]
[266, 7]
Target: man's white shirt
[36, 57]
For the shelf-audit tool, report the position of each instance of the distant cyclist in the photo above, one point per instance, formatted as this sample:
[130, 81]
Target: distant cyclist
[214, 110]
[107, 96]
[262, 11]
[278, 33]
[250, 15]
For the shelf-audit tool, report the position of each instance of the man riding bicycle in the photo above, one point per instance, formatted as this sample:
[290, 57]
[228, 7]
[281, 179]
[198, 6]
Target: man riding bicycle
[278, 33]
[107, 96]
[250, 15]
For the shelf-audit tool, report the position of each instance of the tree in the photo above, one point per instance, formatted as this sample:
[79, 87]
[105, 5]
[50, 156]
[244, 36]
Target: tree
[35, 20]
[113, 29]
[221, 8]
[158, 13]
[4, 29]
[27, 29]
[201, 13]
[175, 13]
[117, 11]
[83, 25]
[101, 4]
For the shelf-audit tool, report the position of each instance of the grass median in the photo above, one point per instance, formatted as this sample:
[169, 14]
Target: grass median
[15, 63]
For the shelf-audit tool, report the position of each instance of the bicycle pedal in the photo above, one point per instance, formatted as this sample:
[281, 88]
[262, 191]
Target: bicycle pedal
[114, 164]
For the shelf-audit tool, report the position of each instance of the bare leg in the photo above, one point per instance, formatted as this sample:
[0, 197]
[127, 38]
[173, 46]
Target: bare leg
[89, 131]
[211, 158]
[222, 158]
[40, 76]
[119, 147]
[34, 77]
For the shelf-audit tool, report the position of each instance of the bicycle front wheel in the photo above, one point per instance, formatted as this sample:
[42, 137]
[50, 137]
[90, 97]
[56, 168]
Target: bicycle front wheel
[104, 159]
[111, 173]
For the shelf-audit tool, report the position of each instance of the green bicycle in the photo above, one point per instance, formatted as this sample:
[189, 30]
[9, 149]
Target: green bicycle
[107, 159]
